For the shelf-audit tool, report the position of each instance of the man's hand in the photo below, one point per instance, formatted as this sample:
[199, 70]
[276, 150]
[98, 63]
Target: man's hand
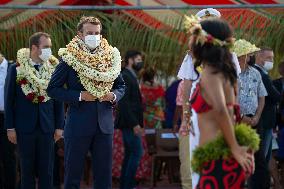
[12, 136]
[108, 97]
[138, 131]
[86, 96]
[247, 120]
[254, 120]
[184, 128]
[175, 128]
[58, 134]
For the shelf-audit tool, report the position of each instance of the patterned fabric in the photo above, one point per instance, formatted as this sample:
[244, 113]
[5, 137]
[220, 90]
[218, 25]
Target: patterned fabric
[251, 88]
[144, 169]
[225, 174]
[153, 100]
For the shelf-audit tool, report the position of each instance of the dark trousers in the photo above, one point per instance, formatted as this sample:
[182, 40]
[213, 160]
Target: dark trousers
[7, 159]
[36, 154]
[56, 168]
[133, 152]
[75, 151]
[260, 179]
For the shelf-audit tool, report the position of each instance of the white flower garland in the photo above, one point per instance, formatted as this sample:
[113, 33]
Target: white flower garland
[34, 83]
[98, 77]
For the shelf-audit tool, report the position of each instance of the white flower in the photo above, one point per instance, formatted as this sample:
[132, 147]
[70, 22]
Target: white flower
[33, 81]
[97, 76]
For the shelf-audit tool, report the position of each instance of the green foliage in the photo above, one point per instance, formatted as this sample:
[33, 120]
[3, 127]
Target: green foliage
[163, 49]
[218, 148]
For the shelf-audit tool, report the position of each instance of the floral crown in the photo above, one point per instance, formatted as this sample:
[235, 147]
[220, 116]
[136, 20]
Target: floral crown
[192, 24]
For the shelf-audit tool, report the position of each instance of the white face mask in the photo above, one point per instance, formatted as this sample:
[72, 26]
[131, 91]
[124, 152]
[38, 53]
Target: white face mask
[268, 65]
[45, 54]
[92, 41]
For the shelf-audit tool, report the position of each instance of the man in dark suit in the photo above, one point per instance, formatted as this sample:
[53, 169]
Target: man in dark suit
[32, 119]
[7, 149]
[264, 63]
[129, 119]
[89, 120]
[279, 85]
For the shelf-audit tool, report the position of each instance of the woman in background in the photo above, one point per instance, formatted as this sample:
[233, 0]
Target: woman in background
[153, 96]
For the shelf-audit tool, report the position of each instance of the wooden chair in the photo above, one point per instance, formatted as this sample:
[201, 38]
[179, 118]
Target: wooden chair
[166, 152]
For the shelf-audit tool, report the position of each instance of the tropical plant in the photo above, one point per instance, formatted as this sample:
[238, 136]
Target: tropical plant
[163, 48]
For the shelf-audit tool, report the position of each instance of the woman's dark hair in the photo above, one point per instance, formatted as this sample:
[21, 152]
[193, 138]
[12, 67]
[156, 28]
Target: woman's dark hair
[149, 75]
[216, 56]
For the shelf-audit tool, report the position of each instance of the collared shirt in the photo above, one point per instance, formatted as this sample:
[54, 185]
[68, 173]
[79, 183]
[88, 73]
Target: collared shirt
[251, 88]
[3, 74]
[261, 68]
[34, 63]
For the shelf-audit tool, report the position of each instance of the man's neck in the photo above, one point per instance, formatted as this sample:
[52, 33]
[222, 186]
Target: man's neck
[1, 59]
[259, 65]
[130, 68]
[36, 59]
[244, 68]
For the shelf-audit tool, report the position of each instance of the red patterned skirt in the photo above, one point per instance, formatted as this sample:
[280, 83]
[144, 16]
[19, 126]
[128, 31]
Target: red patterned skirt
[222, 174]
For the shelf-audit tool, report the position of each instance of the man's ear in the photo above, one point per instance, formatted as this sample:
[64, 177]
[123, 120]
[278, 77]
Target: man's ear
[34, 48]
[80, 34]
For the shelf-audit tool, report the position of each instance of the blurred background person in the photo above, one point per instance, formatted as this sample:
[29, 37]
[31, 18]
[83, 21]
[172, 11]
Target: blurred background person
[251, 97]
[153, 96]
[264, 63]
[129, 119]
[7, 149]
[184, 155]
[170, 98]
[277, 160]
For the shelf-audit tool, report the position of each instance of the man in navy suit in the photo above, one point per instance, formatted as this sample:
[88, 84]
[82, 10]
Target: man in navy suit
[89, 122]
[33, 121]
[7, 150]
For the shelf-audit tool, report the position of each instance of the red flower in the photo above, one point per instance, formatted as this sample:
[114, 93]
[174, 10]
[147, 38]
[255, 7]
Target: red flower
[31, 96]
[210, 38]
[40, 98]
[23, 82]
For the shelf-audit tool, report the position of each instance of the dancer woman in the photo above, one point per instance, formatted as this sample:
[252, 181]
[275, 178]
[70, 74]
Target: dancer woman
[214, 101]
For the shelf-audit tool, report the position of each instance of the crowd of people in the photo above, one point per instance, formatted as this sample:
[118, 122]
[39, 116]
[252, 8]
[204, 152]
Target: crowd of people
[228, 111]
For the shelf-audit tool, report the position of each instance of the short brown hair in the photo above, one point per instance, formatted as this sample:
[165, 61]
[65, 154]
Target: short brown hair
[262, 49]
[34, 39]
[88, 19]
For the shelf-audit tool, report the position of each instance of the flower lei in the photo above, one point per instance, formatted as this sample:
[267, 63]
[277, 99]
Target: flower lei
[218, 148]
[97, 71]
[192, 24]
[34, 83]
